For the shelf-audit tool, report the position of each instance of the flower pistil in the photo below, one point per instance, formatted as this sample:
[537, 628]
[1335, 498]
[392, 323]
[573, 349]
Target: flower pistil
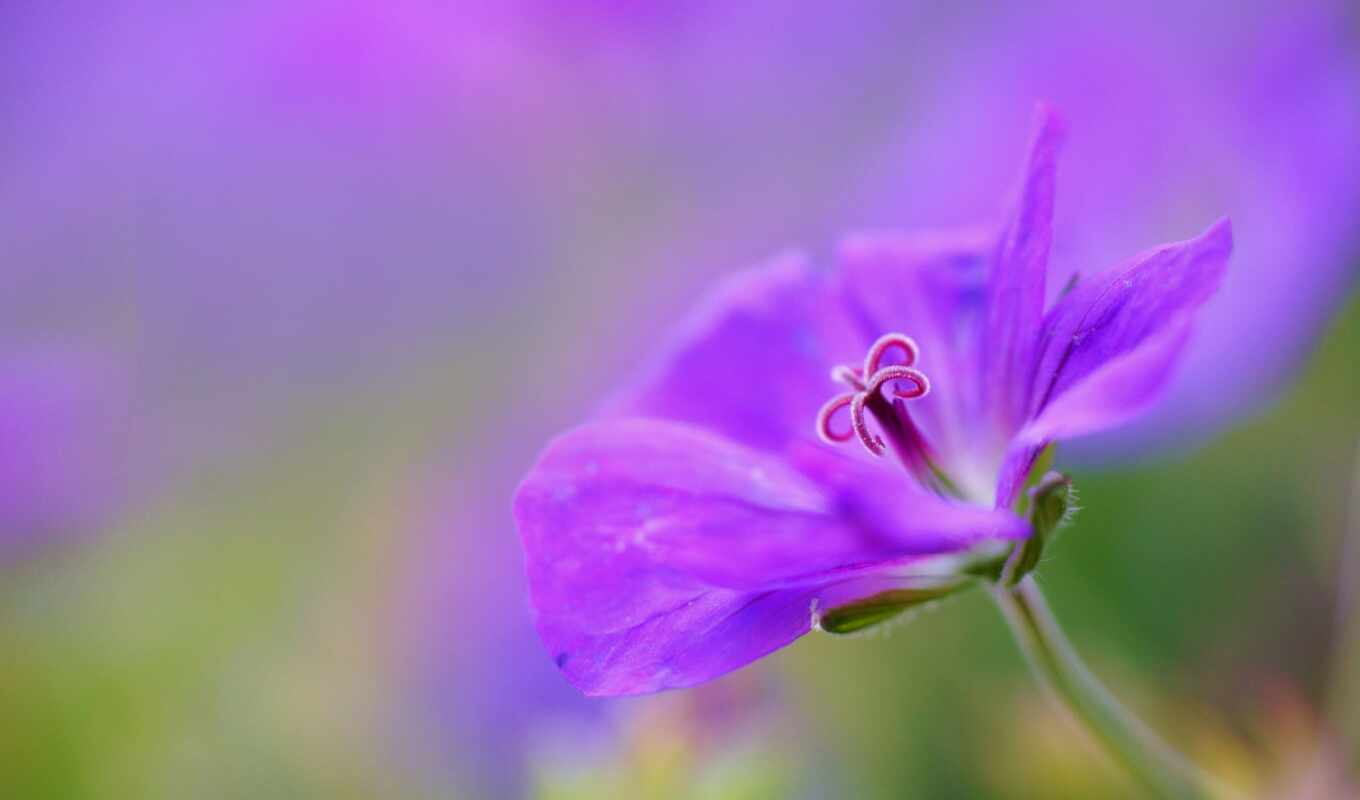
[889, 410]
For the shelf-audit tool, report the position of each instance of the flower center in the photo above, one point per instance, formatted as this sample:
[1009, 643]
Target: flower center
[899, 431]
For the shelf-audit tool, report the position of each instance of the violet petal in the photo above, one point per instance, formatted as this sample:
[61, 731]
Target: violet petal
[643, 538]
[1114, 393]
[753, 362]
[1114, 313]
[1015, 287]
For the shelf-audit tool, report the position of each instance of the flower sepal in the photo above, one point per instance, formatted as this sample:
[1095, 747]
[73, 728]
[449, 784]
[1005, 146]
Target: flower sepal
[1050, 504]
[886, 606]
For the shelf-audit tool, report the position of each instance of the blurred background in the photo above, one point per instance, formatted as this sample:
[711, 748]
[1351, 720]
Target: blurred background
[291, 294]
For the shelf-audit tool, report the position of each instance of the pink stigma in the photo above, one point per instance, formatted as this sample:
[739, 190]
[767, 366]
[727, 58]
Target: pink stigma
[886, 343]
[868, 384]
[824, 416]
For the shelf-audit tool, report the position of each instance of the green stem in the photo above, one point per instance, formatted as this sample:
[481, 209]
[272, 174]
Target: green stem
[1158, 767]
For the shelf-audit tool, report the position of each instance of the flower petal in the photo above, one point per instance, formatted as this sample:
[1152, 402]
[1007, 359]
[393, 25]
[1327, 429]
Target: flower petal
[1015, 287]
[712, 633]
[622, 498]
[754, 363]
[1109, 348]
[640, 535]
[1117, 391]
[1112, 315]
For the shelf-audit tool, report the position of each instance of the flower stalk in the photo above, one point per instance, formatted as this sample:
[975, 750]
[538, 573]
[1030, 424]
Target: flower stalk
[1153, 763]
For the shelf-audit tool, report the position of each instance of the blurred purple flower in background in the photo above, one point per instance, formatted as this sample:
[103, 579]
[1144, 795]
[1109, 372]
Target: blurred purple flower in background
[477, 671]
[271, 202]
[63, 421]
[256, 205]
[700, 526]
[1182, 110]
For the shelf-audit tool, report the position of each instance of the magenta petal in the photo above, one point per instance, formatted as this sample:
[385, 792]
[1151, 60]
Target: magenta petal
[642, 535]
[1116, 312]
[754, 363]
[1015, 287]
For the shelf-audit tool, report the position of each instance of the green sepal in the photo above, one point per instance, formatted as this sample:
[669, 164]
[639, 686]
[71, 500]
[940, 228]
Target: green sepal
[1049, 502]
[884, 606]
[1038, 471]
[989, 569]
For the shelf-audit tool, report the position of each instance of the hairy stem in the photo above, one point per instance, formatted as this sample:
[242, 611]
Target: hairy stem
[1153, 763]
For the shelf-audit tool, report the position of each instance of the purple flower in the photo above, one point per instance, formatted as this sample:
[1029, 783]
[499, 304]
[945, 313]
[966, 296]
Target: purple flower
[730, 498]
[254, 208]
